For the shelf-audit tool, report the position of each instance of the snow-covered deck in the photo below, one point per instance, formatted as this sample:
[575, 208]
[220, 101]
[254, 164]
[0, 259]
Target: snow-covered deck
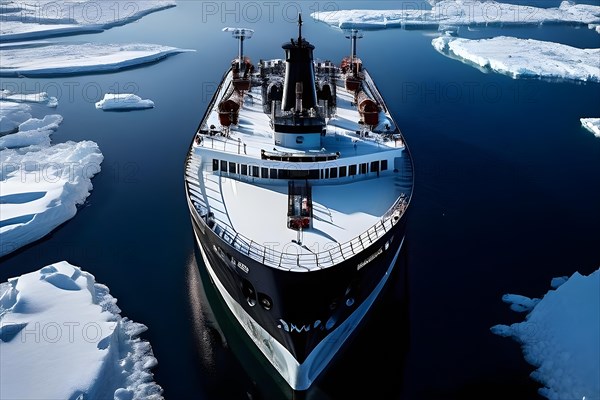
[347, 218]
[254, 133]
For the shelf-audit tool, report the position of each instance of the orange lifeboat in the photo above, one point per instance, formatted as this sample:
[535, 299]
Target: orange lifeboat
[368, 109]
[241, 79]
[229, 109]
[353, 76]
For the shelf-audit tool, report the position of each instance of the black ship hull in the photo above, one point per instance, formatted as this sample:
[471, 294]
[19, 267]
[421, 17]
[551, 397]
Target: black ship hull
[298, 320]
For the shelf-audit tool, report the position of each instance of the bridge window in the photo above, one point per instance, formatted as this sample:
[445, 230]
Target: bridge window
[363, 168]
[273, 173]
[384, 165]
[375, 166]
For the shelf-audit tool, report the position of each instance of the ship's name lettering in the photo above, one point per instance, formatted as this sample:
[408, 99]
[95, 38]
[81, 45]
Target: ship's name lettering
[288, 327]
[241, 265]
[371, 258]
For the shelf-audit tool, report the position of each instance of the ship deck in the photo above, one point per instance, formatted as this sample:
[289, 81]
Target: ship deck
[255, 132]
[249, 211]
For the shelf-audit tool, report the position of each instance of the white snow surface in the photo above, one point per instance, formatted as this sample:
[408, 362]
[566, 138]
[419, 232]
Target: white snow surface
[592, 125]
[39, 98]
[459, 12]
[74, 58]
[26, 20]
[34, 131]
[12, 115]
[123, 101]
[524, 57]
[62, 337]
[560, 338]
[40, 185]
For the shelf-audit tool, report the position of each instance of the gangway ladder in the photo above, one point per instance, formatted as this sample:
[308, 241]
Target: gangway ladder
[299, 216]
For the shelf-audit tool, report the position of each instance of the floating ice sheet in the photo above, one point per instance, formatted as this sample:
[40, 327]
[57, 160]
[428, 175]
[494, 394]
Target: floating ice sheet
[62, 337]
[23, 20]
[40, 185]
[76, 58]
[524, 57]
[458, 12]
[123, 101]
[592, 125]
[560, 337]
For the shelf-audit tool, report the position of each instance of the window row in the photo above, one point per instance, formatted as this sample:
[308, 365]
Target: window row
[278, 173]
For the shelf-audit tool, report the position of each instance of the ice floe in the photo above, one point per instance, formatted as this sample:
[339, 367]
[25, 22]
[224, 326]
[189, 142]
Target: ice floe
[458, 12]
[592, 125]
[12, 115]
[524, 57]
[33, 132]
[560, 337]
[62, 337]
[59, 175]
[40, 185]
[123, 101]
[39, 98]
[22, 20]
[77, 58]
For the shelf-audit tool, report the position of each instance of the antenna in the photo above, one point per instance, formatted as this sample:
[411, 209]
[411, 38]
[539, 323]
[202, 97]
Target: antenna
[299, 29]
[240, 34]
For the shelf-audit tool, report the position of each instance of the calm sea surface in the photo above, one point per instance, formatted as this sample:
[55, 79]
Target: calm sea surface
[507, 196]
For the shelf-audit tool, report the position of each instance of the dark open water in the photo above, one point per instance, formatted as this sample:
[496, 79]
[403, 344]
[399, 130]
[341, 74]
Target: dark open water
[507, 196]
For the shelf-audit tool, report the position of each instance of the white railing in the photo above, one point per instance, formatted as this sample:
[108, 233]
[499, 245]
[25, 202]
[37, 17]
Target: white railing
[337, 252]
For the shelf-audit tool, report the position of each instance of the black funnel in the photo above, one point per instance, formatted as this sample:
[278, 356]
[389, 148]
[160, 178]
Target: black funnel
[299, 68]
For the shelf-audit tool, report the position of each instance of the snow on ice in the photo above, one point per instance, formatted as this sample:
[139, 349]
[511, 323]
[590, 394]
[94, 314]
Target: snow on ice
[524, 57]
[39, 98]
[592, 125]
[76, 58]
[41, 185]
[62, 337]
[123, 101]
[43, 18]
[34, 131]
[458, 12]
[560, 337]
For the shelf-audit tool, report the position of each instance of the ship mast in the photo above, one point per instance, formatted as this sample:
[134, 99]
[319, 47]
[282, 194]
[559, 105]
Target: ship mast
[300, 29]
[353, 35]
[241, 34]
